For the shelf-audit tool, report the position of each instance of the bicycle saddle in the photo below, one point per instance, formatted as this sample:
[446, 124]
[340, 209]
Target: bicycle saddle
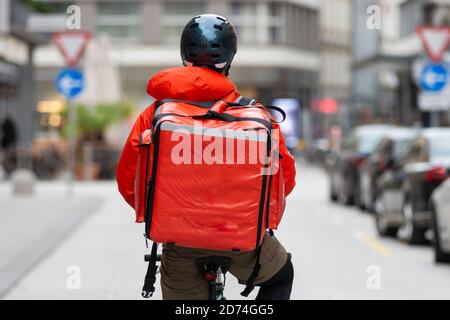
[212, 264]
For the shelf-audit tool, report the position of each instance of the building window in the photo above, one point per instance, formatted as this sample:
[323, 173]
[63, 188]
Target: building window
[411, 15]
[257, 22]
[275, 23]
[176, 15]
[302, 27]
[243, 16]
[120, 20]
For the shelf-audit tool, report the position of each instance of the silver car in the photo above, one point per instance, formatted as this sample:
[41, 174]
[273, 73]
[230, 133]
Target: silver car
[440, 219]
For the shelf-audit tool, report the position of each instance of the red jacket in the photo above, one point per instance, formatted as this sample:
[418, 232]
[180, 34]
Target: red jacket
[191, 84]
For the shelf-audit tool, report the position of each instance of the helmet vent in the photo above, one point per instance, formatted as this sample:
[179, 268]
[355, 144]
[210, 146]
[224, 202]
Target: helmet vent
[194, 25]
[215, 45]
[220, 18]
[216, 26]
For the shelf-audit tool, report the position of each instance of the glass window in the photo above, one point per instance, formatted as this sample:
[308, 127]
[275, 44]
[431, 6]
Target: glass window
[244, 19]
[251, 26]
[275, 23]
[368, 140]
[176, 15]
[414, 151]
[411, 15]
[439, 147]
[400, 147]
[121, 20]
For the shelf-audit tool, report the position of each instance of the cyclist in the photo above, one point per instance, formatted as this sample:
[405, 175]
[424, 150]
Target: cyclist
[208, 46]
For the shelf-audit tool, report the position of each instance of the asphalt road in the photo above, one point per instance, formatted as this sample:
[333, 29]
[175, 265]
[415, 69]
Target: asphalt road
[335, 249]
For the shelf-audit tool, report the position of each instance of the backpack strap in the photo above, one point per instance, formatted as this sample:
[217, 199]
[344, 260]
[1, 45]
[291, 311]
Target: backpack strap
[242, 101]
[213, 114]
[250, 284]
[150, 277]
[201, 104]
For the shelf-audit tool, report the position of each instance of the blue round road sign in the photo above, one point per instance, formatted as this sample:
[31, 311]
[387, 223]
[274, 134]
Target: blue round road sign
[69, 82]
[434, 77]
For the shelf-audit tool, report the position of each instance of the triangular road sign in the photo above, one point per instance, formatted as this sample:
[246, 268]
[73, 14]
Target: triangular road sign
[435, 40]
[72, 45]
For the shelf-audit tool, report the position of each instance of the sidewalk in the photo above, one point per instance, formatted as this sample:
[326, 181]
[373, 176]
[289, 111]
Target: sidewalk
[108, 250]
[32, 226]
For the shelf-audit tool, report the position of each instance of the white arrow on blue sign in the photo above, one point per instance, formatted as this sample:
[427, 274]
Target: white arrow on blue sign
[434, 77]
[69, 82]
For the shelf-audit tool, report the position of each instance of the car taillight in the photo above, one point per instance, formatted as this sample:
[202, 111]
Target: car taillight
[357, 161]
[438, 174]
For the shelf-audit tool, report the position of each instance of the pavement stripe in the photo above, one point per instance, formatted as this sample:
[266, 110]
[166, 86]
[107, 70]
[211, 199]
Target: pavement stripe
[373, 243]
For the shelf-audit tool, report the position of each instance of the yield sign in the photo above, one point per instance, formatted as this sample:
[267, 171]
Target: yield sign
[435, 40]
[72, 45]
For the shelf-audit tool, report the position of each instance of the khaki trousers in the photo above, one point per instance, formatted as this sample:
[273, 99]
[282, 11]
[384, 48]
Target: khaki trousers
[180, 278]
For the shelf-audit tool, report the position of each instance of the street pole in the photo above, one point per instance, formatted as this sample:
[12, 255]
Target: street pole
[71, 157]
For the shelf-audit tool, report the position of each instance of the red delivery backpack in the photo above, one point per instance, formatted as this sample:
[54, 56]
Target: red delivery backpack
[208, 176]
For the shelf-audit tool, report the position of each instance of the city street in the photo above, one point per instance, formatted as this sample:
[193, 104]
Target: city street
[335, 249]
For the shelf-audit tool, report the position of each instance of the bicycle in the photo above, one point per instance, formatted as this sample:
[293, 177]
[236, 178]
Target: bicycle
[214, 269]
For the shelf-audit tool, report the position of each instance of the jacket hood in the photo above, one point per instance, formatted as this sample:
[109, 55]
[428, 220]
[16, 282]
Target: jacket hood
[189, 83]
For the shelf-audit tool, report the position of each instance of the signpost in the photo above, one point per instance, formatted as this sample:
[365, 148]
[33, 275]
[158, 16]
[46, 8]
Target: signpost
[434, 84]
[435, 40]
[71, 44]
[70, 83]
[432, 75]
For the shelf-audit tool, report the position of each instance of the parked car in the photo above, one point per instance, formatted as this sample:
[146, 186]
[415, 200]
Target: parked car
[343, 166]
[440, 221]
[318, 151]
[403, 191]
[385, 155]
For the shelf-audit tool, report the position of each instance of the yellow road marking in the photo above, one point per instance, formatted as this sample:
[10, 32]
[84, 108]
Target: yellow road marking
[374, 244]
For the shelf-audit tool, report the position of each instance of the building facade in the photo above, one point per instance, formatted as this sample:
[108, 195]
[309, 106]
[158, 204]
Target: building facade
[17, 88]
[278, 49]
[383, 85]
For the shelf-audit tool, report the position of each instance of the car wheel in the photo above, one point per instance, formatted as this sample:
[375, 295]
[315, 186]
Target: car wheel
[344, 197]
[383, 228]
[439, 255]
[333, 195]
[409, 231]
[359, 202]
[358, 196]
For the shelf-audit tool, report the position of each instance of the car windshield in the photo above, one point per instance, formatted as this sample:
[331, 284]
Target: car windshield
[440, 147]
[400, 147]
[368, 141]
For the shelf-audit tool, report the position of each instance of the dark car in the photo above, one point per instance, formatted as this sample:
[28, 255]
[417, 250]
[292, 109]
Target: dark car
[440, 217]
[404, 189]
[385, 155]
[343, 167]
[318, 151]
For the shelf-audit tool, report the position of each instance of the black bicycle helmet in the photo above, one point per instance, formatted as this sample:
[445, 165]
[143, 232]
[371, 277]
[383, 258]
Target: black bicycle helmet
[208, 40]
